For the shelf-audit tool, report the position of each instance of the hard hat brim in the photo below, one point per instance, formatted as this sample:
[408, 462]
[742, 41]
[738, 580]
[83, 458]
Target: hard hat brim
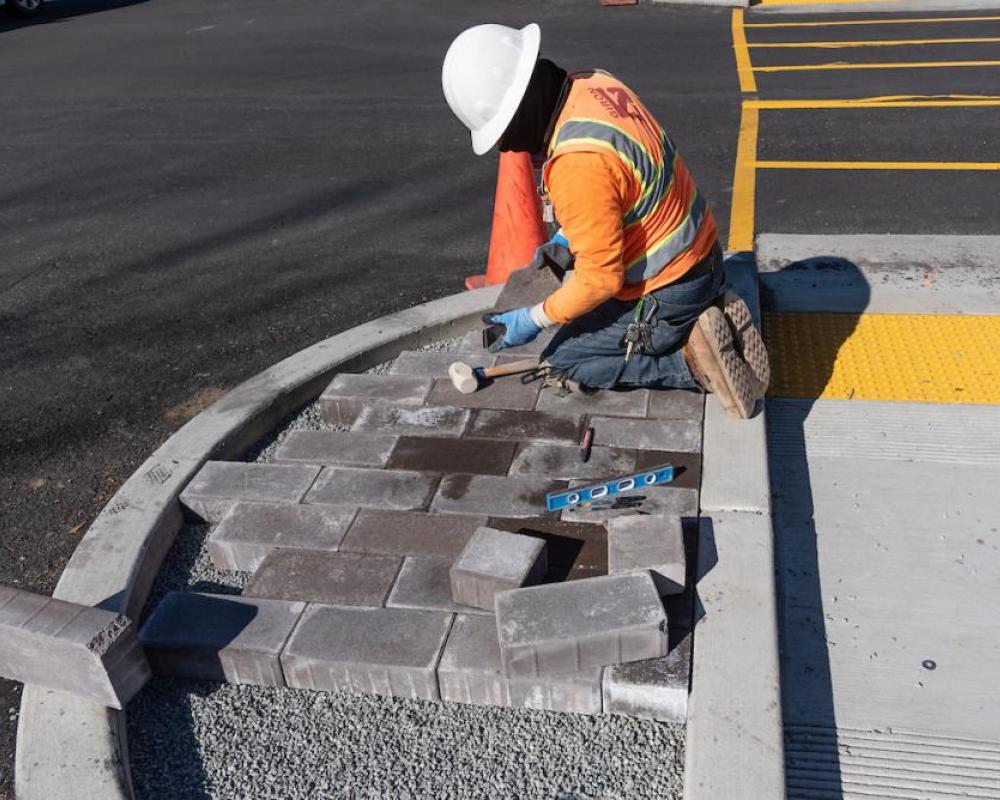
[483, 138]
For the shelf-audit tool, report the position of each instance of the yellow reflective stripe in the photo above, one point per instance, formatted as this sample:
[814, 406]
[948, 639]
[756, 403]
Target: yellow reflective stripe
[599, 143]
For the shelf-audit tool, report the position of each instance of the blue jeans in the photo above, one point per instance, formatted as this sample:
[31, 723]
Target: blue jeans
[590, 350]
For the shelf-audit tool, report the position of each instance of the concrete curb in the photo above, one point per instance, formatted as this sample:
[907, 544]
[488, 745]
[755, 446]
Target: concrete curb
[734, 740]
[69, 748]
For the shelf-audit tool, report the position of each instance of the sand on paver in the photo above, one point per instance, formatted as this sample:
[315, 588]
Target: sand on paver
[210, 741]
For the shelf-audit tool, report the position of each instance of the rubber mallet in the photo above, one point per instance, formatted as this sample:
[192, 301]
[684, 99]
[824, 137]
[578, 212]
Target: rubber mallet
[467, 379]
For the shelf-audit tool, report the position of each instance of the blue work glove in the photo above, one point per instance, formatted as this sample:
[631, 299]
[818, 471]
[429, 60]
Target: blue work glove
[517, 328]
[555, 253]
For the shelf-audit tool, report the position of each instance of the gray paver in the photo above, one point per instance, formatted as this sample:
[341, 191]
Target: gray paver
[656, 688]
[251, 531]
[343, 579]
[89, 652]
[219, 484]
[412, 421]
[470, 672]
[373, 488]
[425, 583]
[492, 495]
[562, 462]
[675, 404]
[432, 364]
[493, 561]
[506, 392]
[649, 542]
[611, 403]
[571, 626]
[347, 394]
[385, 651]
[664, 499]
[682, 436]
[526, 426]
[335, 447]
[219, 637]
[411, 533]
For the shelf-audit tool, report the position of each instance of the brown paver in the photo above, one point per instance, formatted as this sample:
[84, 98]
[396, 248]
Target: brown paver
[507, 392]
[481, 456]
[342, 579]
[347, 394]
[410, 533]
[563, 462]
[574, 549]
[400, 420]
[373, 488]
[334, 447]
[608, 403]
[526, 426]
[490, 494]
[425, 584]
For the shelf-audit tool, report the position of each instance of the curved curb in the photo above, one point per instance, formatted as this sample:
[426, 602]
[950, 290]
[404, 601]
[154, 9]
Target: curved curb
[70, 748]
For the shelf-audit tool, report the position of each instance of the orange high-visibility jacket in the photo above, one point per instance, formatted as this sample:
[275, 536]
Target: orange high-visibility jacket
[633, 216]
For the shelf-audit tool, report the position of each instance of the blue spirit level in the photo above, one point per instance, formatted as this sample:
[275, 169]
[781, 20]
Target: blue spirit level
[556, 501]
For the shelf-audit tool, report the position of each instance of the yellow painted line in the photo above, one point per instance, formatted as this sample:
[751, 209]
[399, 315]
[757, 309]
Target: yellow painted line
[892, 101]
[876, 43]
[892, 65]
[989, 166]
[818, 2]
[748, 83]
[741, 212]
[831, 23]
[894, 357]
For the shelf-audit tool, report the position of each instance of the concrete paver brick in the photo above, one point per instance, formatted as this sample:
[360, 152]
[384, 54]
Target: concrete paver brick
[348, 393]
[481, 456]
[391, 652]
[431, 364]
[471, 672]
[334, 447]
[656, 688]
[563, 462]
[492, 495]
[219, 484]
[402, 490]
[495, 560]
[682, 436]
[687, 466]
[219, 637]
[638, 543]
[343, 579]
[526, 426]
[664, 499]
[576, 625]
[573, 550]
[410, 533]
[89, 652]
[251, 531]
[676, 404]
[507, 393]
[425, 583]
[413, 421]
[607, 402]
[525, 287]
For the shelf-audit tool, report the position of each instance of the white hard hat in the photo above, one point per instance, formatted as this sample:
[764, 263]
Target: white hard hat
[485, 74]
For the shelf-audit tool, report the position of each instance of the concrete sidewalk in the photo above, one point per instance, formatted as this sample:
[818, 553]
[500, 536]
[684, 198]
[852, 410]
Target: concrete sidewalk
[885, 517]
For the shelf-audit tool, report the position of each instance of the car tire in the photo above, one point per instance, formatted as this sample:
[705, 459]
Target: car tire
[25, 8]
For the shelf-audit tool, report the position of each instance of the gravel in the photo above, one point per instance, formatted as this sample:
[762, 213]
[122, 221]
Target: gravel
[209, 741]
[195, 740]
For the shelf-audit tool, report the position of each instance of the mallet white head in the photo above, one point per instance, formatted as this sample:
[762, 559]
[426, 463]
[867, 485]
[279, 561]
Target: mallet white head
[463, 377]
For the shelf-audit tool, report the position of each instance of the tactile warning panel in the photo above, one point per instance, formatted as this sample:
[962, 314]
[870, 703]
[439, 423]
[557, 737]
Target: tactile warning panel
[896, 357]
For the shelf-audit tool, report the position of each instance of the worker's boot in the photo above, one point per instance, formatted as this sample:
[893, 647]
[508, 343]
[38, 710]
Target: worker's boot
[749, 341]
[717, 365]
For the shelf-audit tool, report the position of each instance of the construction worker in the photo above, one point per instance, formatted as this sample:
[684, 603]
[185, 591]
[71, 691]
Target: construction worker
[644, 304]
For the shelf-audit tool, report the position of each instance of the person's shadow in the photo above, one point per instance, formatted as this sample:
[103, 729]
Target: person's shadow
[59, 11]
[828, 284]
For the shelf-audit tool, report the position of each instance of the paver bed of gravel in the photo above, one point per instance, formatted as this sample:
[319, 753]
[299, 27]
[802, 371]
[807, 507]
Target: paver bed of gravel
[378, 584]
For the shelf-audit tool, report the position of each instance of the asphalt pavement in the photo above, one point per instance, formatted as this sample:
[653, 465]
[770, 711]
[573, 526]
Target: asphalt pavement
[190, 192]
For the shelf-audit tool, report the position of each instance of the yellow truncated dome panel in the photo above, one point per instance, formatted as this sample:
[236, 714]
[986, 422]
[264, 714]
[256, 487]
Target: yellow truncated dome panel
[900, 357]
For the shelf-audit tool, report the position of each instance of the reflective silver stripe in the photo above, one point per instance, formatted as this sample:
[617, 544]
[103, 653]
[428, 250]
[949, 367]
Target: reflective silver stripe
[624, 145]
[660, 188]
[680, 240]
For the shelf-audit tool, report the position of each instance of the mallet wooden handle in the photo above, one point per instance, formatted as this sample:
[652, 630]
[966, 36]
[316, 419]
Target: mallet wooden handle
[524, 365]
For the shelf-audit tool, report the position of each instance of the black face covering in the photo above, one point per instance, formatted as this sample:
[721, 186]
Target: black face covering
[526, 132]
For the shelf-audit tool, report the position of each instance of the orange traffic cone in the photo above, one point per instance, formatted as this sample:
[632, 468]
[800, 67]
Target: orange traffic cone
[518, 229]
